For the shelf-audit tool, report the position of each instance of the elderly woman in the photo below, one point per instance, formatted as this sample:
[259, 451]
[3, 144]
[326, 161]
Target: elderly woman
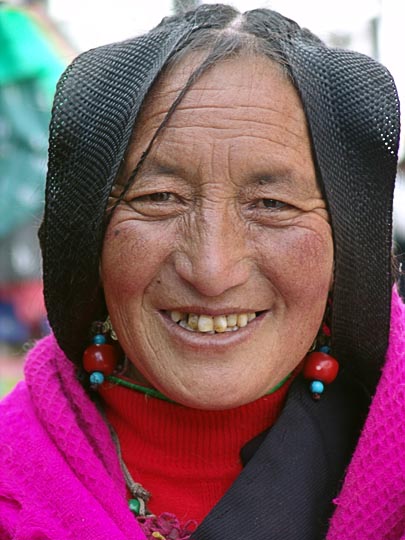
[227, 358]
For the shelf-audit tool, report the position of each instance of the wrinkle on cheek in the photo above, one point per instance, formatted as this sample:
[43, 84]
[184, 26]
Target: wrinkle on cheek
[153, 344]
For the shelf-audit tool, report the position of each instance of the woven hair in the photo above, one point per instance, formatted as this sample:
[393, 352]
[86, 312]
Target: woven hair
[352, 111]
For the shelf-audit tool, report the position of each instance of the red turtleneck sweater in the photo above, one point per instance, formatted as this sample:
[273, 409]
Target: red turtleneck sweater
[187, 458]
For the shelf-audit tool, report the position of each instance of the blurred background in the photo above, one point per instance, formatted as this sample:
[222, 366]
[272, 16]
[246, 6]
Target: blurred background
[38, 38]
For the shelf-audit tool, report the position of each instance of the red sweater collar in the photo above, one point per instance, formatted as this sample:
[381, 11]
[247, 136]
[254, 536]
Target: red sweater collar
[187, 458]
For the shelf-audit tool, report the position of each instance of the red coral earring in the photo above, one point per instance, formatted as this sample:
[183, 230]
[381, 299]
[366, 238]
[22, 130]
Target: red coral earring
[100, 359]
[320, 368]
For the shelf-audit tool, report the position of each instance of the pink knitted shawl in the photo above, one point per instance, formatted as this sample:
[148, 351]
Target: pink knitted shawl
[64, 480]
[371, 505]
[60, 478]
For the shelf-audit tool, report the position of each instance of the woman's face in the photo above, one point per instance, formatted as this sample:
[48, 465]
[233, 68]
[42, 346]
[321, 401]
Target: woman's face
[225, 220]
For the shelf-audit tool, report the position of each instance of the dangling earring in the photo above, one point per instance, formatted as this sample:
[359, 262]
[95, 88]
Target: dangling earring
[319, 366]
[100, 359]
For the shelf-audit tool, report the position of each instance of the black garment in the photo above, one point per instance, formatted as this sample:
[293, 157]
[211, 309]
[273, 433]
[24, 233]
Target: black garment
[288, 484]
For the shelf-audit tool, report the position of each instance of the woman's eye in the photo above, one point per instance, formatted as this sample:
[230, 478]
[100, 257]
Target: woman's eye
[159, 204]
[161, 196]
[272, 203]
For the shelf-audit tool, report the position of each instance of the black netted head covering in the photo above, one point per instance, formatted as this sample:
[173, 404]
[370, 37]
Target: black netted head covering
[352, 110]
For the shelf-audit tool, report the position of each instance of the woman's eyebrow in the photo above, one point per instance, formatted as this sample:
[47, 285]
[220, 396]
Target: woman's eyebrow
[280, 177]
[152, 167]
[149, 169]
[287, 180]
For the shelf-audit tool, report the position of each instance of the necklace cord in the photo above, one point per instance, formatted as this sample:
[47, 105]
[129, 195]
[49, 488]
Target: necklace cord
[137, 490]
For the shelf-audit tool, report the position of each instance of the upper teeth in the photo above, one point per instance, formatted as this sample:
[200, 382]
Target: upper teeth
[207, 323]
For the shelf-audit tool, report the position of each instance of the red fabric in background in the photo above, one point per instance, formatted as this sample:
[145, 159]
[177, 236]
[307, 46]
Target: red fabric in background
[27, 300]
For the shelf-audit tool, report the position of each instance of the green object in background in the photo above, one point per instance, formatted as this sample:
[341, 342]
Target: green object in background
[7, 385]
[26, 52]
[11, 369]
[29, 70]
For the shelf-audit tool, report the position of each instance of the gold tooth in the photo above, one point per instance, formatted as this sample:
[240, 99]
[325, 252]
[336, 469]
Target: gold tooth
[193, 321]
[220, 323]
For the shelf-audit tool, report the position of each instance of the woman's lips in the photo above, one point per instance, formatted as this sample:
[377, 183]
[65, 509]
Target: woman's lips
[211, 339]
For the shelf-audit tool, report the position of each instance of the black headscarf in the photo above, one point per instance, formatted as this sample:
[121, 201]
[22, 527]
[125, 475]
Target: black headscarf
[352, 111]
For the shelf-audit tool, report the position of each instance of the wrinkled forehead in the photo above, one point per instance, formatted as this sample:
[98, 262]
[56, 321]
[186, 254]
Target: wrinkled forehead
[244, 94]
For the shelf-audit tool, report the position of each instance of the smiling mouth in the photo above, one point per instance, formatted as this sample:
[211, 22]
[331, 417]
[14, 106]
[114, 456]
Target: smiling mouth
[207, 324]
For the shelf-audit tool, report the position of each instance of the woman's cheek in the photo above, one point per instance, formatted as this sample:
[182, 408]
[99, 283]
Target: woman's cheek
[299, 259]
[133, 252]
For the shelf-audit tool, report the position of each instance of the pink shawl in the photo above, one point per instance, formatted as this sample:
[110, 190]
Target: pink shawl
[59, 494]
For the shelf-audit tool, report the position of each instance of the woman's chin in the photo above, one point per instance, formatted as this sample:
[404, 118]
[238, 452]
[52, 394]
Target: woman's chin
[212, 404]
[214, 397]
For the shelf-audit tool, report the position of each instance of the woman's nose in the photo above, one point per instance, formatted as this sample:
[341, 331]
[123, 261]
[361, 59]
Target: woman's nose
[215, 256]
